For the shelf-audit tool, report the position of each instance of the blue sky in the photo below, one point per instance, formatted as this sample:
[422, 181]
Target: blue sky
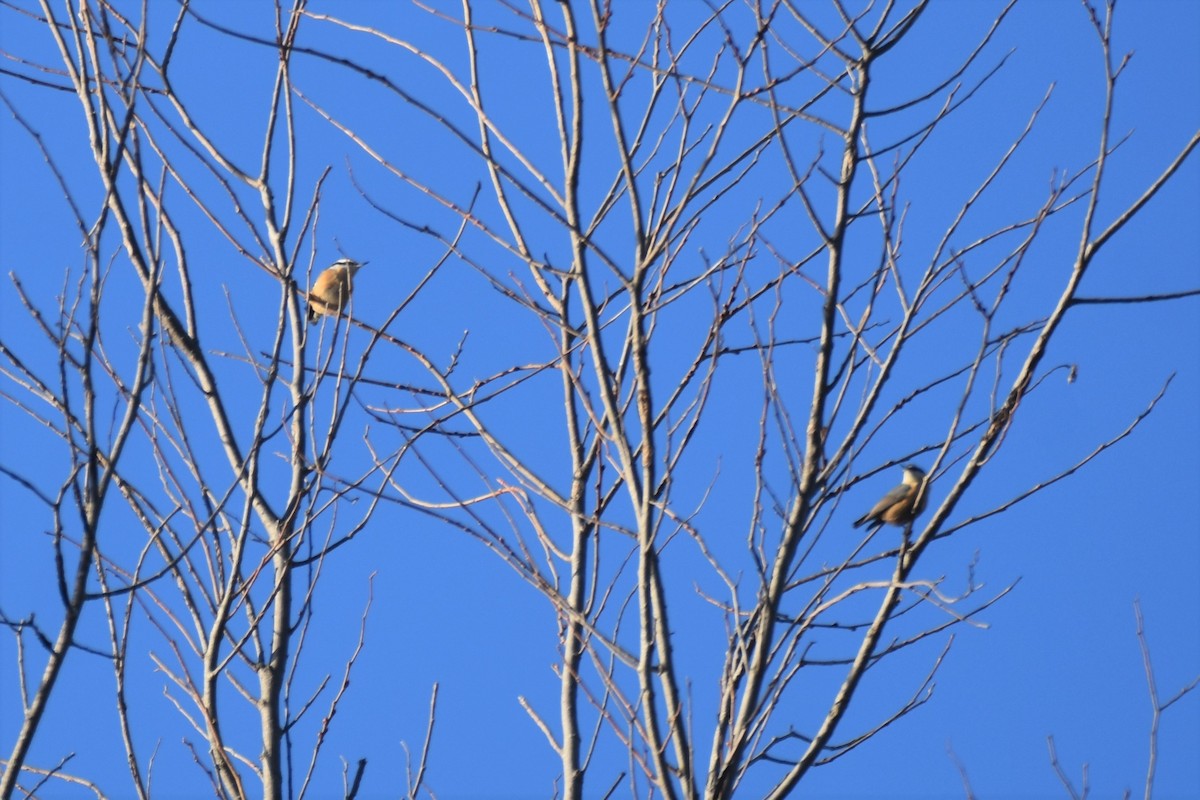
[1058, 655]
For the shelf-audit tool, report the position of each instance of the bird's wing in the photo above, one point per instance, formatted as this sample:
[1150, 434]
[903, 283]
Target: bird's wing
[890, 499]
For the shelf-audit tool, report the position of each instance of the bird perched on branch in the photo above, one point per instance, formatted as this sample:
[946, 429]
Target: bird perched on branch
[330, 294]
[901, 505]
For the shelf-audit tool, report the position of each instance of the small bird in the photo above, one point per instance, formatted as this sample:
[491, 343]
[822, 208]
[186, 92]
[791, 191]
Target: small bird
[896, 507]
[331, 292]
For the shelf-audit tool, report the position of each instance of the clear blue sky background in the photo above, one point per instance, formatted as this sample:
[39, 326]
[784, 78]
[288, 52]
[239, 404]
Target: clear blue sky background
[1059, 655]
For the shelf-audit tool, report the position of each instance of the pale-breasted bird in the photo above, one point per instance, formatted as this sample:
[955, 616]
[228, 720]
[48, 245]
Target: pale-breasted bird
[897, 506]
[331, 291]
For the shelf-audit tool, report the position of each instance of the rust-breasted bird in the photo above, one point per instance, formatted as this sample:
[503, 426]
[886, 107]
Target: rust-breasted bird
[332, 289]
[897, 506]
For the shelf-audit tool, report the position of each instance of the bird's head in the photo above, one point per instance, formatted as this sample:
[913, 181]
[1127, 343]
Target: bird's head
[350, 264]
[913, 474]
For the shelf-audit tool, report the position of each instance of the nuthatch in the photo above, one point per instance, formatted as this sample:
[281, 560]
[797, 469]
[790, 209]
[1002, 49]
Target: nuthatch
[896, 507]
[331, 292]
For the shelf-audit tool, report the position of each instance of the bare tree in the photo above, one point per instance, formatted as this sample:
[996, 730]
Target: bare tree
[714, 323]
[644, 330]
[237, 512]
